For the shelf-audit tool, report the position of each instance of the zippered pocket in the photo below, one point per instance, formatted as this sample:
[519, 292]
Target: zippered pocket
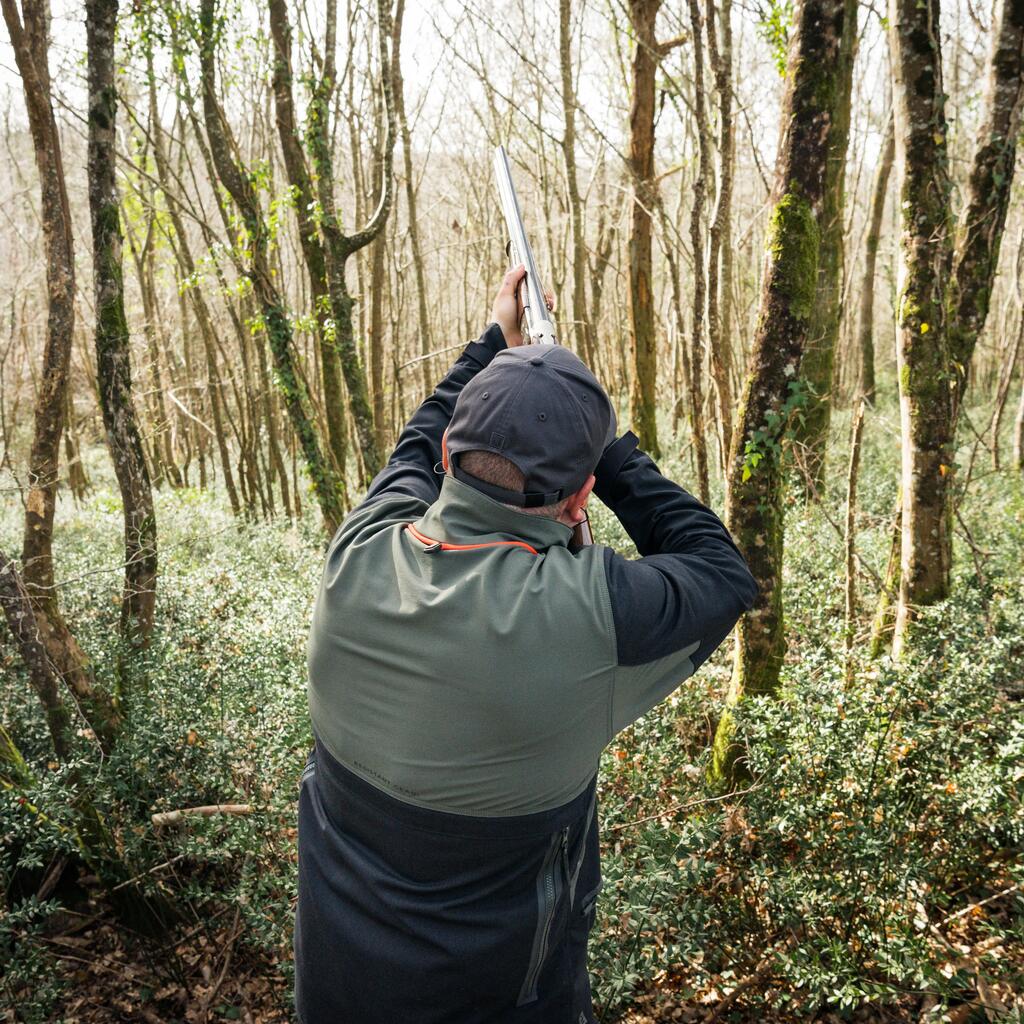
[310, 768]
[551, 880]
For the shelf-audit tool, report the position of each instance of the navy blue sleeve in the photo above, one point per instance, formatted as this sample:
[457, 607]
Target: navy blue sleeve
[690, 584]
[410, 470]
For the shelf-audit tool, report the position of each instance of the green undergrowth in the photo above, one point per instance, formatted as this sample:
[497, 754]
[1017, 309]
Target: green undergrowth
[882, 809]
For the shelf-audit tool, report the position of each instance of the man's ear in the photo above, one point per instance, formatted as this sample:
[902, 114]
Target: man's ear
[444, 450]
[576, 509]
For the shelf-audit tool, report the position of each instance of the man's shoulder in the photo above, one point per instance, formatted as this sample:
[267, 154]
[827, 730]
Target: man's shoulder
[376, 514]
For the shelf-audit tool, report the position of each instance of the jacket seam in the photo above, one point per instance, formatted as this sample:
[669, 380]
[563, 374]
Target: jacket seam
[613, 637]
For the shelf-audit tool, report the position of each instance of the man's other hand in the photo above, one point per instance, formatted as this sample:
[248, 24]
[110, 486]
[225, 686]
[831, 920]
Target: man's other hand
[507, 311]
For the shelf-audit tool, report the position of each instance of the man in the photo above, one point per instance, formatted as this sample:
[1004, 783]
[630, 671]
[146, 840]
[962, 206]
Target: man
[466, 669]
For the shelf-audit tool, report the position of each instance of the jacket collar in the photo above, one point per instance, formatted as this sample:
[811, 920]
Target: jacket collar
[462, 515]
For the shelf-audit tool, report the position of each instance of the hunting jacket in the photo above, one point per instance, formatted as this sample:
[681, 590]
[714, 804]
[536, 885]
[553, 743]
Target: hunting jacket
[466, 669]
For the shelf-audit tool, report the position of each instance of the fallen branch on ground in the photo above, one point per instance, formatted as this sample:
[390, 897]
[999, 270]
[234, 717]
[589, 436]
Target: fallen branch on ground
[164, 818]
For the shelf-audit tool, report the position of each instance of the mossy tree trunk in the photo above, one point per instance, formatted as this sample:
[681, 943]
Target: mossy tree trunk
[947, 292]
[756, 471]
[819, 359]
[866, 324]
[922, 350]
[338, 246]
[113, 352]
[29, 30]
[275, 318]
[310, 240]
[980, 230]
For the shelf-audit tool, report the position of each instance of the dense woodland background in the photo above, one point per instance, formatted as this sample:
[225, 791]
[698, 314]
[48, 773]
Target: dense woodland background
[241, 241]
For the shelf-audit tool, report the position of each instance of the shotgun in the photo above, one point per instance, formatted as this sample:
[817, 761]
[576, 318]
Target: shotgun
[539, 328]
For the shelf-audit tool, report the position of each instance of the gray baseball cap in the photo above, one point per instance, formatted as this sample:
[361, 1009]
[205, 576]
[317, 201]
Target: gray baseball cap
[542, 409]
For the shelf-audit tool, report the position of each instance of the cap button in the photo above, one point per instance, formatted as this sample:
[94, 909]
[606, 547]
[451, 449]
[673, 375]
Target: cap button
[536, 361]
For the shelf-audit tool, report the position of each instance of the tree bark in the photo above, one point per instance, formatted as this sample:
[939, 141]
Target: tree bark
[700, 187]
[819, 359]
[30, 45]
[17, 609]
[756, 472]
[720, 255]
[922, 349]
[1018, 432]
[422, 316]
[582, 328]
[866, 325]
[643, 344]
[113, 353]
[980, 231]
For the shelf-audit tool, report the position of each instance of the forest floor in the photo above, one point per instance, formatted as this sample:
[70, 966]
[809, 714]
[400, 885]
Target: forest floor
[872, 871]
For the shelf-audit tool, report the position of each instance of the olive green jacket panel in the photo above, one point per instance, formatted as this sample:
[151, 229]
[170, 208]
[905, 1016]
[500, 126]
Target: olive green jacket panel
[477, 681]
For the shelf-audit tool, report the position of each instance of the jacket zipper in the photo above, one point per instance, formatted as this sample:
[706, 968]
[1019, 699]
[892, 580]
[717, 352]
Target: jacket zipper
[549, 890]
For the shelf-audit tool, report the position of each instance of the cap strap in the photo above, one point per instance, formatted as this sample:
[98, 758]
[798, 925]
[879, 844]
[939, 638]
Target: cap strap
[529, 499]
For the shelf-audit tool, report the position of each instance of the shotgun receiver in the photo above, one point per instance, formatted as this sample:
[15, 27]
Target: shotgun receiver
[539, 328]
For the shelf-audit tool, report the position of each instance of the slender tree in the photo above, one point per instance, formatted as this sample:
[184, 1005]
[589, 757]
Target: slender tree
[876, 214]
[113, 352]
[720, 254]
[756, 469]
[647, 53]
[980, 230]
[583, 330]
[697, 237]
[29, 31]
[422, 315]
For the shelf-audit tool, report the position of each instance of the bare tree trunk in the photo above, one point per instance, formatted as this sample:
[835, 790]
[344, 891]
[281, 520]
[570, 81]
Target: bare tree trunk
[29, 42]
[980, 231]
[922, 352]
[755, 503]
[17, 609]
[850, 538]
[720, 255]
[643, 15]
[866, 326]
[582, 328]
[1018, 432]
[931, 346]
[818, 361]
[375, 337]
[422, 316]
[77, 479]
[113, 352]
[1006, 377]
[697, 243]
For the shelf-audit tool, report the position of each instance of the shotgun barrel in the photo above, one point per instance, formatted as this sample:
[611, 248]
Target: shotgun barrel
[539, 328]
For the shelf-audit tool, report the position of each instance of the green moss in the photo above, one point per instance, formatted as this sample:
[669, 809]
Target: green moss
[793, 246]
